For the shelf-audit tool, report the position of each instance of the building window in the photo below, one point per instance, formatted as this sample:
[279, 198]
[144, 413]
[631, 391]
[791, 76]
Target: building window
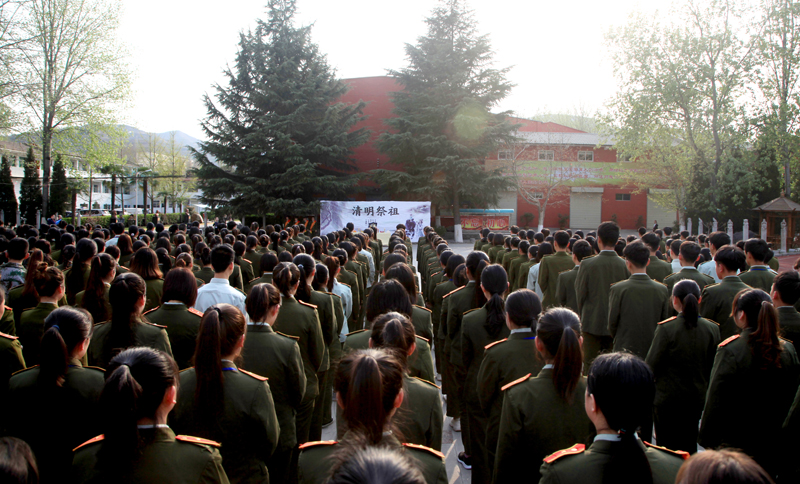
[127, 191]
[95, 188]
[505, 155]
[623, 197]
[623, 158]
[106, 188]
[586, 156]
[547, 155]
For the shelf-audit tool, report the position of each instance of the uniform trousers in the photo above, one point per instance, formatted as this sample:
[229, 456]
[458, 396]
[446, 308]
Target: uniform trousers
[476, 436]
[593, 346]
[315, 428]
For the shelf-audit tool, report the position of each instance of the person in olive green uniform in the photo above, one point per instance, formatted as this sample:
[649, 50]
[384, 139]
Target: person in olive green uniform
[300, 319]
[49, 283]
[439, 292]
[346, 276]
[218, 400]
[689, 253]
[785, 293]
[681, 357]
[126, 328]
[592, 286]
[367, 419]
[637, 305]
[716, 299]
[78, 275]
[754, 370]
[759, 275]
[145, 263]
[277, 357]
[481, 327]
[516, 263]
[658, 270]
[525, 267]
[553, 265]
[540, 413]
[137, 445]
[619, 399]
[177, 316]
[11, 359]
[75, 388]
[565, 284]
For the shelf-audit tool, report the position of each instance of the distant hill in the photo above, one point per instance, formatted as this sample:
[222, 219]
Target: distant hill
[136, 135]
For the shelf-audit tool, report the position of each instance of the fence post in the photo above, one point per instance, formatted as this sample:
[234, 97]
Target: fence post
[764, 229]
[714, 225]
[689, 225]
[784, 236]
[699, 226]
[745, 229]
[19, 218]
[730, 230]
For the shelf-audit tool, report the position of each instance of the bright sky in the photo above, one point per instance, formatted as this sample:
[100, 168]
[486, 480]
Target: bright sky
[179, 49]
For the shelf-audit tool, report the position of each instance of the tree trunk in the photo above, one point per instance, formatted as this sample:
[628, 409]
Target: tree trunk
[74, 207]
[46, 139]
[144, 197]
[459, 236]
[113, 189]
[542, 210]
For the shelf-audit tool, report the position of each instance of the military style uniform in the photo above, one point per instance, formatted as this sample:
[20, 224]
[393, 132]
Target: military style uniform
[315, 463]
[421, 319]
[459, 302]
[635, 308]
[7, 323]
[19, 303]
[254, 258]
[52, 440]
[165, 459]
[248, 273]
[182, 325]
[716, 302]
[11, 360]
[265, 278]
[440, 336]
[420, 362]
[768, 393]
[658, 270]
[565, 289]
[681, 359]
[759, 277]
[205, 274]
[351, 280]
[326, 313]
[80, 295]
[579, 464]
[147, 334]
[522, 275]
[248, 427]
[31, 329]
[551, 266]
[688, 272]
[535, 422]
[789, 320]
[513, 270]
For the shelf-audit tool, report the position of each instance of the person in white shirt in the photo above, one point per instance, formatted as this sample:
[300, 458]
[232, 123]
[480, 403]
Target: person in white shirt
[545, 249]
[715, 242]
[368, 255]
[117, 229]
[674, 253]
[219, 290]
[341, 290]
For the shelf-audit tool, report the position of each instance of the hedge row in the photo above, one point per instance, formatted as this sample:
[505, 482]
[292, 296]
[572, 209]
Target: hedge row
[105, 221]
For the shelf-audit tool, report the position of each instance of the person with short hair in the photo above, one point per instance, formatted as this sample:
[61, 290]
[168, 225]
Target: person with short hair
[12, 273]
[552, 266]
[759, 275]
[785, 294]
[689, 252]
[565, 285]
[716, 241]
[723, 465]
[657, 269]
[218, 290]
[716, 300]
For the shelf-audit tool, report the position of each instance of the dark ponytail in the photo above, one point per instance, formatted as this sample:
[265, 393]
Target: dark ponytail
[317, 250]
[523, 308]
[285, 276]
[476, 262]
[221, 328]
[84, 251]
[332, 263]
[321, 277]
[36, 258]
[688, 292]
[275, 238]
[65, 328]
[762, 318]
[394, 332]
[559, 331]
[401, 273]
[495, 281]
[94, 299]
[306, 265]
[123, 295]
[453, 262]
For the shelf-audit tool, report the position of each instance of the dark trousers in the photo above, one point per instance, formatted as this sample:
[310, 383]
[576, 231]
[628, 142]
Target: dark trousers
[676, 428]
[476, 423]
[594, 345]
[328, 390]
[315, 428]
[279, 464]
[460, 374]
[450, 389]
[302, 420]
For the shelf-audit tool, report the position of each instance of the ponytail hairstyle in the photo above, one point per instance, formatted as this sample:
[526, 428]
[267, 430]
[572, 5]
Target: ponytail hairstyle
[163, 259]
[317, 252]
[341, 255]
[36, 258]
[275, 238]
[145, 263]
[285, 276]
[125, 292]
[67, 254]
[460, 278]
[495, 281]
[476, 262]
[394, 333]
[401, 273]
[306, 265]
[268, 262]
[262, 298]
[65, 329]
[136, 381]
[388, 296]
[357, 462]
[688, 292]
[198, 250]
[47, 280]
[94, 299]
[523, 308]
[221, 329]
[623, 387]
[559, 330]
[321, 278]
[332, 263]
[761, 317]
[368, 382]
[205, 255]
[84, 251]
[184, 261]
[454, 261]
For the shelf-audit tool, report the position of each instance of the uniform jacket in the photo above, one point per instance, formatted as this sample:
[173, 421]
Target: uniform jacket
[182, 325]
[551, 266]
[716, 302]
[592, 286]
[635, 308]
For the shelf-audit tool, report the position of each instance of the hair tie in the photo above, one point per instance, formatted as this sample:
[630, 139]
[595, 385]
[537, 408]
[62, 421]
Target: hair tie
[219, 312]
[300, 266]
[55, 326]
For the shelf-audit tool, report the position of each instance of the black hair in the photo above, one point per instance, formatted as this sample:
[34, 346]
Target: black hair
[306, 265]
[453, 262]
[17, 248]
[561, 238]
[523, 307]
[476, 262]
[18, 463]
[608, 233]
[757, 248]
[387, 296]
[688, 292]
[495, 281]
[719, 239]
[582, 249]
[358, 463]
[125, 292]
[559, 331]
[285, 276]
[637, 254]
[787, 285]
[222, 257]
[652, 241]
[762, 318]
[731, 257]
[394, 332]
[64, 329]
[690, 251]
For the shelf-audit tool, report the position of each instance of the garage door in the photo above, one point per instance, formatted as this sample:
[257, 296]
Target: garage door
[666, 217]
[584, 210]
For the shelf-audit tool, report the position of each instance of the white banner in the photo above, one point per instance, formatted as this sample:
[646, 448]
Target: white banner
[387, 215]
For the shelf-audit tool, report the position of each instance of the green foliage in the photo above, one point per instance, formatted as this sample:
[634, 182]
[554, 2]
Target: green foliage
[444, 127]
[30, 190]
[166, 218]
[441, 230]
[59, 188]
[563, 220]
[527, 218]
[8, 199]
[278, 140]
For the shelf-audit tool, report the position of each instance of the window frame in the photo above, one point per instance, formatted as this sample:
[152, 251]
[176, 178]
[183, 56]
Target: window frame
[584, 153]
[551, 158]
[620, 197]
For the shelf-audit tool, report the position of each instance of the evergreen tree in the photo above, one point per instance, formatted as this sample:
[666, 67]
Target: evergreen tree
[59, 189]
[276, 134]
[444, 127]
[8, 199]
[30, 190]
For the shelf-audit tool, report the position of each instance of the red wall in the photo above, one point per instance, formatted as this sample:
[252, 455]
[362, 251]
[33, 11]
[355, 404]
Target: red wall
[627, 211]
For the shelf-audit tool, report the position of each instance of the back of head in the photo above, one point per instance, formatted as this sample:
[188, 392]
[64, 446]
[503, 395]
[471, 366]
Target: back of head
[690, 251]
[401, 273]
[262, 298]
[453, 262]
[306, 265]
[755, 306]
[64, 329]
[757, 248]
[364, 464]
[388, 296]
[392, 259]
[47, 280]
[523, 308]
[688, 293]
[719, 239]
[559, 330]
[494, 280]
[722, 466]
[393, 332]
[18, 464]
[561, 239]
[145, 263]
[180, 285]
[608, 233]
[731, 257]
[787, 285]
[221, 258]
[582, 249]
[544, 249]
[285, 276]
[675, 248]
[652, 241]
[17, 248]
[123, 295]
[637, 254]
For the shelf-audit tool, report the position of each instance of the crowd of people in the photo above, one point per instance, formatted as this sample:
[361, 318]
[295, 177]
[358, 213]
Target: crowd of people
[185, 354]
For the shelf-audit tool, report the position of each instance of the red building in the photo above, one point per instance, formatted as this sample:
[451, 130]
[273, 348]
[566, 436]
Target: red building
[577, 172]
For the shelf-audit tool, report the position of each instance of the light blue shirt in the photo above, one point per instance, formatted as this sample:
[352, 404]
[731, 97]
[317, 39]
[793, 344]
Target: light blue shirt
[347, 304]
[709, 268]
[219, 291]
[371, 279]
[533, 281]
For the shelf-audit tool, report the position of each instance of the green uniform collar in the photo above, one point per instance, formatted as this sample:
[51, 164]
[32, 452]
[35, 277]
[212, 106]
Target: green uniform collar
[259, 328]
[173, 307]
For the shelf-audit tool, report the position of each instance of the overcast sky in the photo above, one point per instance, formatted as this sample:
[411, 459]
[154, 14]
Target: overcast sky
[179, 48]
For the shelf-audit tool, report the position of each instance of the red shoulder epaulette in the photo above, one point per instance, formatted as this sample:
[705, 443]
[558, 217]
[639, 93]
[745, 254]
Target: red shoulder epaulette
[467, 312]
[307, 304]
[426, 449]
[574, 450]
[197, 440]
[90, 441]
[495, 343]
[195, 311]
[25, 369]
[8, 336]
[318, 443]
[668, 320]
[150, 311]
[422, 338]
[257, 377]
[711, 321]
[157, 325]
[426, 381]
[8, 308]
[728, 340]
[356, 332]
[454, 291]
[331, 294]
[679, 453]
[426, 309]
[518, 380]
[288, 335]
[96, 368]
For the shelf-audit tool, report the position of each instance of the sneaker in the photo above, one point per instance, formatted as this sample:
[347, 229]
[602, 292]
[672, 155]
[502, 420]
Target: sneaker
[456, 425]
[465, 460]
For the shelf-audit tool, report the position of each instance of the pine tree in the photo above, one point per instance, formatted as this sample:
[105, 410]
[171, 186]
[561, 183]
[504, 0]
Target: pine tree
[278, 135]
[444, 127]
[30, 190]
[8, 199]
[59, 189]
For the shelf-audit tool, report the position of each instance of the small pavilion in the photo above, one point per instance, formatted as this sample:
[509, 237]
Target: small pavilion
[776, 211]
